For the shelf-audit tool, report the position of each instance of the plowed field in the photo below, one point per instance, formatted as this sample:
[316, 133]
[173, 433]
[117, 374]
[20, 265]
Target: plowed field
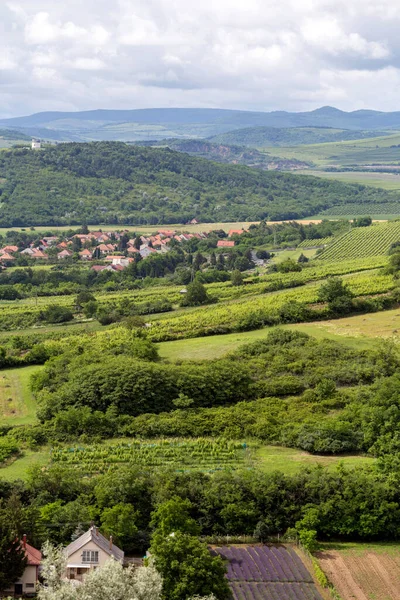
[364, 573]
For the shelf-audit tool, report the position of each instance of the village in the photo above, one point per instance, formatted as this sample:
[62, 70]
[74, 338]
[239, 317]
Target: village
[111, 250]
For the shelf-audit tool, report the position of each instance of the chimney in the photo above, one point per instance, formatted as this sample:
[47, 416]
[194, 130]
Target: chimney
[111, 542]
[24, 540]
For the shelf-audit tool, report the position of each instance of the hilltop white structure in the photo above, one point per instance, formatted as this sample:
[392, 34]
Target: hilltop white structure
[36, 144]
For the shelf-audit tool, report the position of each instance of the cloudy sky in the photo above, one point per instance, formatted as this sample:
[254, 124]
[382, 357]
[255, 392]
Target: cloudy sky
[247, 54]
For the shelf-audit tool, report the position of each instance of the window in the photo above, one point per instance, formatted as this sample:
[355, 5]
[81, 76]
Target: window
[90, 556]
[29, 585]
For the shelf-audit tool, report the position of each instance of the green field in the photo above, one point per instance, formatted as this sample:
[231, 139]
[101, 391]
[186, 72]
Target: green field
[290, 461]
[378, 212]
[207, 348]
[369, 152]
[386, 181]
[292, 254]
[17, 404]
[362, 242]
[19, 468]
[315, 242]
[206, 455]
[336, 154]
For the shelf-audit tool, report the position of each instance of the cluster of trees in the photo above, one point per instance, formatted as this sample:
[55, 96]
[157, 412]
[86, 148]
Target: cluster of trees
[57, 504]
[276, 390]
[281, 235]
[110, 182]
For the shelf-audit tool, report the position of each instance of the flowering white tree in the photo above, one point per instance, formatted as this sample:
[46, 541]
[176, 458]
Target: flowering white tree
[104, 583]
[53, 567]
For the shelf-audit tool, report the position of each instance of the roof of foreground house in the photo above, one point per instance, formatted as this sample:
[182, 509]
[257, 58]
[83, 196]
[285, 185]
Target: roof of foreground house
[33, 555]
[94, 535]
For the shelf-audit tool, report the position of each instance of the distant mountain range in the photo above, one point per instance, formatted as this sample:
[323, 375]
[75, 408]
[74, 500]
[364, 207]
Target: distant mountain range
[161, 123]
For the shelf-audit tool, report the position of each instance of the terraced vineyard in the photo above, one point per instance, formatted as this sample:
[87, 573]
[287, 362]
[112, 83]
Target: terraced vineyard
[315, 242]
[254, 312]
[268, 573]
[362, 242]
[181, 454]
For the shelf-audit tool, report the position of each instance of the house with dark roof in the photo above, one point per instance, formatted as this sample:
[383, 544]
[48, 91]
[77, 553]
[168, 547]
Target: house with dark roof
[89, 551]
[27, 583]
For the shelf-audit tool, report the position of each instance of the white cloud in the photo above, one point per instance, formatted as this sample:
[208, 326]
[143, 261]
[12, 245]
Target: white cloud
[88, 64]
[254, 54]
[7, 61]
[328, 35]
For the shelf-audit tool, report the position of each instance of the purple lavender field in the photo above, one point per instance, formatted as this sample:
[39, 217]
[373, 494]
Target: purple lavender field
[267, 573]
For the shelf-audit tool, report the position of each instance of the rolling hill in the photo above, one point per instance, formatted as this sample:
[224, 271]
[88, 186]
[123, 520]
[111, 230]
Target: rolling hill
[111, 182]
[290, 136]
[160, 123]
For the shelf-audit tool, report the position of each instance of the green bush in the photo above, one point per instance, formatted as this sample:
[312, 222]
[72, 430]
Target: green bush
[56, 314]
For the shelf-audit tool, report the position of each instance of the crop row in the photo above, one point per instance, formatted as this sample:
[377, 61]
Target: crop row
[274, 591]
[315, 242]
[363, 242]
[252, 312]
[191, 453]
[264, 563]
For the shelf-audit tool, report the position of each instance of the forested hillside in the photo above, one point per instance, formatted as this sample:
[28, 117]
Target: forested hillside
[9, 134]
[110, 182]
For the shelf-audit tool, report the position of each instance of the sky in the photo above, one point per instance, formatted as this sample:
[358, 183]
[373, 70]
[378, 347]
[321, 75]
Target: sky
[244, 54]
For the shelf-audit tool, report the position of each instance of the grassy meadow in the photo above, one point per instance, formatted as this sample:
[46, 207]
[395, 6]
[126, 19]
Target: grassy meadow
[208, 348]
[17, 404]
[386, 181]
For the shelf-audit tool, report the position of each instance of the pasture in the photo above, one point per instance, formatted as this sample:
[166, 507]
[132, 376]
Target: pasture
[363, 571]
[17, 404]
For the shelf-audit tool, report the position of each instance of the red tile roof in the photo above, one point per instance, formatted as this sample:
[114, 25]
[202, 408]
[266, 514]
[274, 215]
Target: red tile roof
[225, 244]
[33, 555]
[235, 232]
[6, 256]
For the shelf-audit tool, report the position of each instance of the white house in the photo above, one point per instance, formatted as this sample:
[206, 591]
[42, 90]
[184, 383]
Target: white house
[89, 551]
[36, 144]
